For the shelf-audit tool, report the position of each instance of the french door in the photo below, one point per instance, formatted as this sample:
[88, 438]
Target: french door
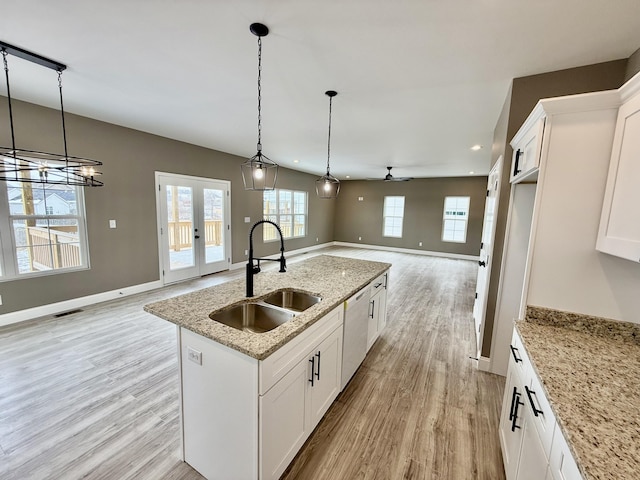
[194, 232]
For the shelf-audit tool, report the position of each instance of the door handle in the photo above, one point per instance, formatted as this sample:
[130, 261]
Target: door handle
[516, 170]
[515, 412]
[482, 263]
[197, 236]
[536, 411]
[313, 368]
[513, 352]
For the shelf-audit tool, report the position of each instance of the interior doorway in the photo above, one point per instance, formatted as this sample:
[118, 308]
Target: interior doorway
[194, 231]
[486, 251]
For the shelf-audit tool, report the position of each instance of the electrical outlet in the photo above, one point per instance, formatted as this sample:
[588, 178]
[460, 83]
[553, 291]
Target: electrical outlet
[317, 239]
[246, 253]
[0, 299]
[112, 224]
[359, 238]
[194, 355]
[419, 244]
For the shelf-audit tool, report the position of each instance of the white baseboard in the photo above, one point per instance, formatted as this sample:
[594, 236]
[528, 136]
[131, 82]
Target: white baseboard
[59, 307]
[484, 364]
[288, 254]
[457, 256]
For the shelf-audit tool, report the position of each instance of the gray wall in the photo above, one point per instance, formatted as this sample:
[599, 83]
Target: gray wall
[424, 202]
[522, 97]
[128, 255]
[633, 65]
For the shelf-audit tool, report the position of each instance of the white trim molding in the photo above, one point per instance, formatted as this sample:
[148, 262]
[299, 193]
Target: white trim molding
[457, 256]
[72, 304]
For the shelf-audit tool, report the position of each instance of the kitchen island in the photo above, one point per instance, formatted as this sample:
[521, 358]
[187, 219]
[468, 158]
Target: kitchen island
[250, 400]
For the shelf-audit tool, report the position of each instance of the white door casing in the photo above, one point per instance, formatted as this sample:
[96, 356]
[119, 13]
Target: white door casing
[486, 250]
[198, 240]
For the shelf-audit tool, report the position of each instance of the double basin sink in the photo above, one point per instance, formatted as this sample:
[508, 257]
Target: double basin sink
[268, 313]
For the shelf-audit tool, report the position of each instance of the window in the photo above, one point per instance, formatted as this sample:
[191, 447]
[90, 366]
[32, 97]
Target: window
[392, 216]
[454, 224]
[43, 228]
[288, 209]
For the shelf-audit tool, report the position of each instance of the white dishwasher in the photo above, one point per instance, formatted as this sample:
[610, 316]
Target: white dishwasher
[354, 341]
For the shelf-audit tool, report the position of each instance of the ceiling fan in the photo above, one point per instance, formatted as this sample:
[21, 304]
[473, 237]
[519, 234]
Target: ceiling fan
[390, 178]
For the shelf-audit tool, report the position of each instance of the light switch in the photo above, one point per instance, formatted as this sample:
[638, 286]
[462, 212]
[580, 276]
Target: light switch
[247, 219]
[360, 199]
[112, 224]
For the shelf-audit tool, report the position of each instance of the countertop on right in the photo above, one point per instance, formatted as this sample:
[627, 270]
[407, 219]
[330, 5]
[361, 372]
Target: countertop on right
[590, 369]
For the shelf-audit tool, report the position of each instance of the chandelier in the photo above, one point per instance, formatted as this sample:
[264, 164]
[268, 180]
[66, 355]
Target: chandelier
[31, 166]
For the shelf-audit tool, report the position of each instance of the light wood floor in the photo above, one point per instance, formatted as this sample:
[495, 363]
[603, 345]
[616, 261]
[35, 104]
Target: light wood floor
[94, 394]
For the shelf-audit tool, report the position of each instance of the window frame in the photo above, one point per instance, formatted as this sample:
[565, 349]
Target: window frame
[446, 218]
[385, 216]
[9, 264]
[288, 228]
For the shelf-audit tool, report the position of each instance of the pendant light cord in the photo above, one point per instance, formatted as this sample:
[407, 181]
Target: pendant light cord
[64, 128]
[6, 74]
[259, 94]
[329, 136]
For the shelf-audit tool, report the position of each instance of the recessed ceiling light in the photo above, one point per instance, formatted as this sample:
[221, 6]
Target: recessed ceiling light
[475, 148]
[471, 173]
[347, 176]
[296, 161]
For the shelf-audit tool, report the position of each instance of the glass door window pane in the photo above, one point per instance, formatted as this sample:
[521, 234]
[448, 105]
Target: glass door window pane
[213, 224]
[180, 226]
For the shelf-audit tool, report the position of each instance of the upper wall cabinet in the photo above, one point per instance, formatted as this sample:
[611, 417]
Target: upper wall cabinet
[527, 147]
[619, 232]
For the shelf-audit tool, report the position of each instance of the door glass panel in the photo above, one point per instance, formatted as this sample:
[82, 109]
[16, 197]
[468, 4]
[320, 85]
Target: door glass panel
[213, 224]
[180, 226]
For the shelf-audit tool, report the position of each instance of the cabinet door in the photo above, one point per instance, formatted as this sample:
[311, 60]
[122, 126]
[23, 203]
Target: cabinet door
[533, 462]
[619, 232]
[327, 367]
[562, 464]
[372, 320]
[510, 431]
[283, 421]
[526, 154]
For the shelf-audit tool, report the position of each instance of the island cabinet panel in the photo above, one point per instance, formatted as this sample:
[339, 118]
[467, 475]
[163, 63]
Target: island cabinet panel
[219, 408]
[284, 421]
[619, 232]
[276, 365]
[377, 320]
[292, 408]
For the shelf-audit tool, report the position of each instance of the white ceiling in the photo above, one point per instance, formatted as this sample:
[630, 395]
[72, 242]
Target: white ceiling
[419, 81]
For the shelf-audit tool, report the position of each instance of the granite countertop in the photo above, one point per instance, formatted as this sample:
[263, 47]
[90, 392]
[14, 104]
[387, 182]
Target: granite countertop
[333, 278]
[590, 370]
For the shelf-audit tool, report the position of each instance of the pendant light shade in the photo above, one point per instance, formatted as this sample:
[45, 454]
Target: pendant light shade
[328, 186]
[30, 166]
[259, 172]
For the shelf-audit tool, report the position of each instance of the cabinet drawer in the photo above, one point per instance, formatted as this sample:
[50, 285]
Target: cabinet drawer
[562, 465]
[276, 365]
[541, 414]
[518, 354]
[379, 283]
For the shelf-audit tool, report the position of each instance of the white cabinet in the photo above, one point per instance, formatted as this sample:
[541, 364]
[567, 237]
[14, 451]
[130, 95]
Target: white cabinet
[244, 418]
[532, 443]
[619, 232]
[291, 409]
[526, 151]
[562, 466]
[377, 319]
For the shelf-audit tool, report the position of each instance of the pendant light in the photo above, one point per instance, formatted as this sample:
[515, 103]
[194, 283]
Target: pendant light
[31, 166]
[259, 172]
[328, 186]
